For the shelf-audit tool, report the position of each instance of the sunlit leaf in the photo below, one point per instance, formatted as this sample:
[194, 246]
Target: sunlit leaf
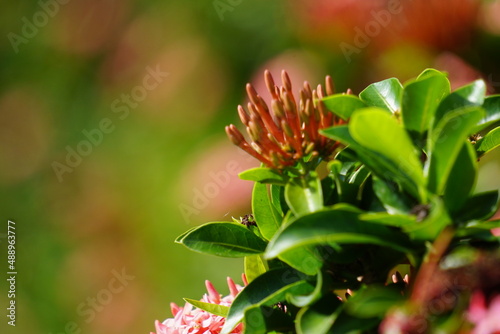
[254, 267]
[386, 94]
[381, 133]
[445, 144]
[489, 142]
[466, 96]
[264, 175]
[491, 105]
[264, 212]
[333, 226]
[222, 239]
[343, 105]
[304, 194]
[421, 98]
[216, 309]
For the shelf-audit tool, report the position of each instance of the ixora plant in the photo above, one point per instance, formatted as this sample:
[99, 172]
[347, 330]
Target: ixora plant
[364, 216]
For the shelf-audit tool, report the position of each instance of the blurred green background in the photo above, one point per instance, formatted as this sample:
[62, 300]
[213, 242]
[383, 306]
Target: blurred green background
[111, 131]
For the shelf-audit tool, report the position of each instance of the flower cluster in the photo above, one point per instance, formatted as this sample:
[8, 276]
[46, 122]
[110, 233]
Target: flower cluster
[485, 318]
[190, 320]
[288, 131]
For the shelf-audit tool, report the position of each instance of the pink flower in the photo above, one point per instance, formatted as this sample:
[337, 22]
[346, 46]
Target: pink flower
[486, 319]
[191, 320]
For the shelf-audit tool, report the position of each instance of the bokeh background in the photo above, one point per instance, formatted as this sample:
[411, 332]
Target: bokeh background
[111, 131]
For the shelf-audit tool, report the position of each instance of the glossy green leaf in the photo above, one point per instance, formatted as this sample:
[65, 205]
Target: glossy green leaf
[319, 317]
[264, 212]
[216, 309]
[386, 94]
[254, 267]
[267, 289]
[390, 197]
[491, 105]
[276, 194]
[343, 105]
[263, 319]
[301, 301]
[264, 175]
[462, 178]
[380, 132]
[254, 320]
[466, 96]
[373, 301]
[429, 72]
[421, 98]
[447, 140]
[488, 225]
[488, 143]
[395, 220]
[347, 324]
[378, 164]
[335, 225]
[303, 259]
[479, 207]
[222, 239]
[304, 194]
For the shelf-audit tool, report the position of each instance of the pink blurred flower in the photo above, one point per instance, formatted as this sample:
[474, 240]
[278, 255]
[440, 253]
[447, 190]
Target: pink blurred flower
[484, 318]
[191, 320]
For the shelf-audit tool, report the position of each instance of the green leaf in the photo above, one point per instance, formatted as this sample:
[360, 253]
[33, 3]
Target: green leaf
[267, 289]
[390, 197]
[421, 98]
[347, 324]
[262, 319]
[395, 220]
[304, 194]
[489, 225]
[343, 105]
[378, 164]
[254, 321]
[264, 175]
[301, 301]
[429, 72]
[466, 96]
[479, 207]
[386, 94]
[254, 267]
[335, 225]
[488, 143]
[445, 144]
[373, 301]
[276, 192]
[491, 105]
[304, 260]
[380, 132]
[264, 212]
[216, 309]
[222, 239]
[319, 317]
[462, 178]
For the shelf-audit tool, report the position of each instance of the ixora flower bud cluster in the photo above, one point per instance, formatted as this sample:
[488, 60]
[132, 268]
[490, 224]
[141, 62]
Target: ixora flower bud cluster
[398, 200]
[288, 131]
[190, 320]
